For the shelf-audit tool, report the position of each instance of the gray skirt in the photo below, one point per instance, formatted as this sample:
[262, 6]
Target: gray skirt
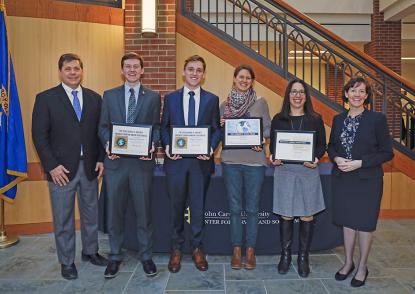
[297, 191]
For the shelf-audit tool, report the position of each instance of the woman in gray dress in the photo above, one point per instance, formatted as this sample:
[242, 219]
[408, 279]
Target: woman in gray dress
[244, 169]
[297, 186]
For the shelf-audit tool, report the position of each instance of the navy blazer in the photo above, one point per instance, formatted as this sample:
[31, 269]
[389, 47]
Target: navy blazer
[58, 135]
[372, 144]
[208, 116]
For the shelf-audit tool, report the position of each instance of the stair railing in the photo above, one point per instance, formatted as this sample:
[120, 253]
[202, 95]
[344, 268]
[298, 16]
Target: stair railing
[295, 46]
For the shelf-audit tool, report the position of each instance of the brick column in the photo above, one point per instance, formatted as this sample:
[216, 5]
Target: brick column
[158, 52]
[334, 83]
[385, 46]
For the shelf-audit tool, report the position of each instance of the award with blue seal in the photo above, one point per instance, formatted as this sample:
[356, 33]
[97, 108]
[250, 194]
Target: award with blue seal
[130, 140]
[242, 133]
[190, 141]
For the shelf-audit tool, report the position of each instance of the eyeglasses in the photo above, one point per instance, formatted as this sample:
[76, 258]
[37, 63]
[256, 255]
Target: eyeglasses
[295, 93]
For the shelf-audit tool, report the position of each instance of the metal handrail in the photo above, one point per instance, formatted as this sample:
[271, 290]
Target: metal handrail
[297, 48]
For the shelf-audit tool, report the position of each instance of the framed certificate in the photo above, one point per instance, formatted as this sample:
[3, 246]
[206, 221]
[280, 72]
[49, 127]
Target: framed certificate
[294, 146]
[242, 132]
[190, 141]
[130, 140]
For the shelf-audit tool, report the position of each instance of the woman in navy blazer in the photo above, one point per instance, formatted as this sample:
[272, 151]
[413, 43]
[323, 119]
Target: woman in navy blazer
[359, 143]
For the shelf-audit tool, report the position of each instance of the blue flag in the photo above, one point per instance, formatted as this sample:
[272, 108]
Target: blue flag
[13, 162]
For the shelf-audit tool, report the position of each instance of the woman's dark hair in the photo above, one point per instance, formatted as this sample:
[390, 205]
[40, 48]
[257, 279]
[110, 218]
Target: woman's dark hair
[355, 82]
[246, 67]
[308, 106]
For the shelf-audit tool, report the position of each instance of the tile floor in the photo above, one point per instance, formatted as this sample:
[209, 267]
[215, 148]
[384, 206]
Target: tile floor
[32, 267]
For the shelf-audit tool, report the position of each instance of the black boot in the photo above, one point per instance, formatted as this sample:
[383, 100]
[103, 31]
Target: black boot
[286, 238]
[306, 235]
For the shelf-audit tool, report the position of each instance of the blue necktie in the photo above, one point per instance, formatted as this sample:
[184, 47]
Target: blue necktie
[77, 105]
[77, 108]
[131, 107]
[191, 120]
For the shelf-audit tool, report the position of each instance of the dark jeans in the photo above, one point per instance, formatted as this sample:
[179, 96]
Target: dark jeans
[248, 179]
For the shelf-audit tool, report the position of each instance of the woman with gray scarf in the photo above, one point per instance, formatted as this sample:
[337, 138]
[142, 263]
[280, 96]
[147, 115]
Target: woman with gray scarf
[244, 169]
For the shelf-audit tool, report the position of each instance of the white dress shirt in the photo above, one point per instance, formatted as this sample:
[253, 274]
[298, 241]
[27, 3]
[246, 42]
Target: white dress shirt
[69, 90]
[186, 103]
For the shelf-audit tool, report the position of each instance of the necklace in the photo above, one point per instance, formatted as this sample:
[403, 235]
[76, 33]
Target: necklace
[301, 123]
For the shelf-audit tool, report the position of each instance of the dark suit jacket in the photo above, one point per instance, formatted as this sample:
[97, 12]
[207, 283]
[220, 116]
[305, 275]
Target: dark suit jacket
[113, 111]
[58, 135]
[208, 116]
[372, 145]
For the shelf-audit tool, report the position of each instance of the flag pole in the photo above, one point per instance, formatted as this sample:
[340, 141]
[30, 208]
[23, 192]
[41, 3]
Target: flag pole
[5, 241]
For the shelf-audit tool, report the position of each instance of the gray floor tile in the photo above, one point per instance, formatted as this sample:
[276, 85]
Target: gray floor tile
[399, 236]
[141, 284]
[218, 258]
[25, 267]
[295, 287]
[269, 259]
[32, 266]
[394, 257]
[94, 282]
[23, 245]
[261, 272]
[40, 247]
[245, 287]
[32, 286]
[161, 258]
[195, 292]
[373, 285]
[189, 278]
[406, 277]
[322, 266]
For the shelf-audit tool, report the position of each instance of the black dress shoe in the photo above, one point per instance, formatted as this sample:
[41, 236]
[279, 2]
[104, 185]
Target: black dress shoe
[341, 277]
[112, 269]
[358, 283]
[69, 272]
[95, 259]
[149, 268]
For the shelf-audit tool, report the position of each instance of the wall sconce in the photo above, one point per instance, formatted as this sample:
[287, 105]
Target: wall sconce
[148, 18]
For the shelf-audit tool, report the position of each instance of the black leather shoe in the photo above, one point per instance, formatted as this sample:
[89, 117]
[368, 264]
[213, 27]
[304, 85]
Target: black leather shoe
[341, 277]
[95, 259]
[112, 269]
[358, 283]
[69, 272]
[149, 268]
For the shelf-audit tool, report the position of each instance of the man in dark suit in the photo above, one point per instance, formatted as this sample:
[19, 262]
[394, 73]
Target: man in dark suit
[65, 133]
[188, 178]
[130, 103]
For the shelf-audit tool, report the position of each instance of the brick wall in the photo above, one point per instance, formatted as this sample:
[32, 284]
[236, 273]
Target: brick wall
[158, 52]
[334, 83]
[385, 46]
